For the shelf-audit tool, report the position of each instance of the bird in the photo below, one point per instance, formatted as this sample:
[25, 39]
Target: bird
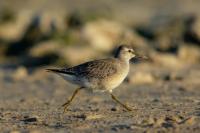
[101, 75]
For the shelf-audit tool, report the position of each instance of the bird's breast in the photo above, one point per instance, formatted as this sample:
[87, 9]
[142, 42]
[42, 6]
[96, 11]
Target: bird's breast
[116, 79]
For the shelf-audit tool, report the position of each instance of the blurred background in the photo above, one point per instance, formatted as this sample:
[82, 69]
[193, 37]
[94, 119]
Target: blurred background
[36, 33]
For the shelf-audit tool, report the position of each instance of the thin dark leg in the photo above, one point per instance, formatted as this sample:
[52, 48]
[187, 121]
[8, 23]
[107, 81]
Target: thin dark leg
[125, 106]
[65, 105]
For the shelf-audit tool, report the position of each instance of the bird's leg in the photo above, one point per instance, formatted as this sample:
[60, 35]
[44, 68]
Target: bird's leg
[125, 106]
[65, 105]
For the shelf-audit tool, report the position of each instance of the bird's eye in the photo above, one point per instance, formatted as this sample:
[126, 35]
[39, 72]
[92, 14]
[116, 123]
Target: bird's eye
[129, 51]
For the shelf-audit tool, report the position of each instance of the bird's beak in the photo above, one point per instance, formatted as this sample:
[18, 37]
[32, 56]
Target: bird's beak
[137, 56]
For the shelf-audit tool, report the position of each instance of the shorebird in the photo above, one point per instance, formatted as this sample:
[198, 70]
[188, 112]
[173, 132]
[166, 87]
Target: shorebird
[100, 75]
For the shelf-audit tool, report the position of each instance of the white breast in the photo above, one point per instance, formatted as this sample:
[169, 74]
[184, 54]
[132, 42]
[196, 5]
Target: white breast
[116, 79]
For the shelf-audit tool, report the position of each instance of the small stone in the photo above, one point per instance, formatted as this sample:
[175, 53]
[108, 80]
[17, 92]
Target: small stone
[94, 116]
[81, 116]
[182, 89]
[22, 100]
[167, 77]
[155, 100]
[33, 119]
[113, 109]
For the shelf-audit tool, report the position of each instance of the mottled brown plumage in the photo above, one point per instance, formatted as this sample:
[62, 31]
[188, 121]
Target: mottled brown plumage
[94, 68]
[99, 75]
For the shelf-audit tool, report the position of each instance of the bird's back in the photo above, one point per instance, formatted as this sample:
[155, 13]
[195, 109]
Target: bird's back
[95, 69]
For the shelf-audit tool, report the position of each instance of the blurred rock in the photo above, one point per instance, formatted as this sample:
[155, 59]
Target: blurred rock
[104, 35]
[20, 73]
[141, 78]
[14, 30]
[167, 60]
[164, 31]
[51, 48]
[7, 15]
[37, 61]
[195, 29]
[2, 51]
[75, 55]
[32, 35]
[132, 38]
[52, 23]
[189, 54]
[192, 33]
[166, 44]
[45, 47]
[75, 20]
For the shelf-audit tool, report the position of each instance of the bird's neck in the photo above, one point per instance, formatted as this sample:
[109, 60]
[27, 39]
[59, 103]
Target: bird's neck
[123, 59]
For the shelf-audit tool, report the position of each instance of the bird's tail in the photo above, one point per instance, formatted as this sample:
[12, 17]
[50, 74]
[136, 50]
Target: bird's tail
[61, 71]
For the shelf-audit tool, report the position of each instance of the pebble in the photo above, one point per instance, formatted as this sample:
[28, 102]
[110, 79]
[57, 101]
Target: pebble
[33, 119]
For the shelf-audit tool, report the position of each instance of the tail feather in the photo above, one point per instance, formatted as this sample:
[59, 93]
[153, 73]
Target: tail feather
[60, 71]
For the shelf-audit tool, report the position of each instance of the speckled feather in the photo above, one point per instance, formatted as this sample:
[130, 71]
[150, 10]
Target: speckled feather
[94, 69]
[103, 74]
[99, 75]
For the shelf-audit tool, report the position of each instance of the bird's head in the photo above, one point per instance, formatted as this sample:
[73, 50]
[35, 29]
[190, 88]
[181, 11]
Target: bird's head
[126, 52]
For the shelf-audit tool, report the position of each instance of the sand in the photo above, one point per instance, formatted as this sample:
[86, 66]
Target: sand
[168, 104]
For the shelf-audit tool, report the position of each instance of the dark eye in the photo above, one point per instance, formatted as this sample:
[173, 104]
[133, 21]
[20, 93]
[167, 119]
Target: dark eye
[129, 51]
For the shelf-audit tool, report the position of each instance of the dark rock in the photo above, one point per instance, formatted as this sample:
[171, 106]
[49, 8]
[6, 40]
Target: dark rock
[33, 119]
[75, 20]
[7, 15]
[148, 34]
[192, 33]
[32, 35]
[113, 109]
[39, 61]
[81, 116]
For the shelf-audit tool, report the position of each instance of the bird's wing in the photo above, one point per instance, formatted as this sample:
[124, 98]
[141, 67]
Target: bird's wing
[96, 69]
